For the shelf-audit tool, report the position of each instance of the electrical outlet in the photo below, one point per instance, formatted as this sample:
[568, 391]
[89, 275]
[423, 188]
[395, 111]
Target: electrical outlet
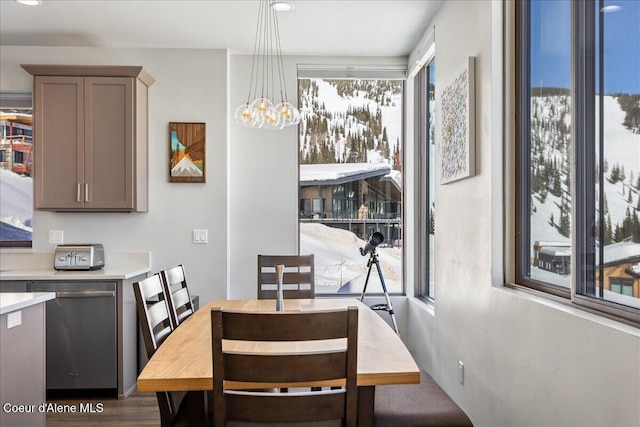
[14, 319]
[56, 237]
[460, 372]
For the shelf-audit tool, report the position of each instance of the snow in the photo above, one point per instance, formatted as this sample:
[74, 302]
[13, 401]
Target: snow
[620, 251]
[338, 106]
[16, 199]
[335, 171]
[621, 147]
[338, 261]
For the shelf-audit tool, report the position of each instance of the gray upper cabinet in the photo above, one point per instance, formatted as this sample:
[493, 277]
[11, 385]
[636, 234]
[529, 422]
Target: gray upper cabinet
[90, 134]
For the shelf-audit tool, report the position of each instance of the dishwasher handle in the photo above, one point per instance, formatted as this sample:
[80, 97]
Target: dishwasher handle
[82, 294]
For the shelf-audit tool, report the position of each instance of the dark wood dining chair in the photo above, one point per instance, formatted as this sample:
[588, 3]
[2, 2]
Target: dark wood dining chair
[176, 408]
[178, 296]
[292, 367]
[298, 277]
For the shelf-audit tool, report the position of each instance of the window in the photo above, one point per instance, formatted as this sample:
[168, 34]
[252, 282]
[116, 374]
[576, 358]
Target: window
[16, 164]
[350, 142]
[578, 156]
[425, 137]
[621, 286]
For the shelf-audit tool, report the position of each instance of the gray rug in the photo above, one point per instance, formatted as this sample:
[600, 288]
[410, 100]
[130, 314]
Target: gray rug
[417, 405]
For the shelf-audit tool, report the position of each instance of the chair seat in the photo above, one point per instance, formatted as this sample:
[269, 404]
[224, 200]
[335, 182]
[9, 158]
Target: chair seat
[417, 405]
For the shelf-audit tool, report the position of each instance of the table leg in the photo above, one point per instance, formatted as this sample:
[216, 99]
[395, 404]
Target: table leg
[366, 401]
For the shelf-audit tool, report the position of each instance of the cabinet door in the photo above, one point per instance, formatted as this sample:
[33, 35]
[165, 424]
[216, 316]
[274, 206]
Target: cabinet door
[109, 148]
[59, 142]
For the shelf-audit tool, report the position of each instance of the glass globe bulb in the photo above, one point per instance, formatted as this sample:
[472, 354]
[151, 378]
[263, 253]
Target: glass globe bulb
[273, 120]
[262, 104]
[248, 116]
[289, 113]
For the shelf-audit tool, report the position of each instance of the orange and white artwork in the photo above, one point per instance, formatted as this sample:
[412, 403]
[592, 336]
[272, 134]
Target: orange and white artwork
[186, 152]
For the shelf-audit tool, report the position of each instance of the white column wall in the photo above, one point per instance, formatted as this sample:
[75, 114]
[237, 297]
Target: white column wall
[527, 361]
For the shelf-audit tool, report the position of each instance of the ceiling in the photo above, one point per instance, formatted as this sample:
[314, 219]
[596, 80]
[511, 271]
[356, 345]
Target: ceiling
[313, 27]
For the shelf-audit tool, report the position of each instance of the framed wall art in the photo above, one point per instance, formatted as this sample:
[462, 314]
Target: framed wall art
[186, 152]
[457, 142]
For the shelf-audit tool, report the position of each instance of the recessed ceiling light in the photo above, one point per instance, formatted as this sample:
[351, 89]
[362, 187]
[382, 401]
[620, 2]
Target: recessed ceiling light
[611, 8]
[281, 6]
[30, 2]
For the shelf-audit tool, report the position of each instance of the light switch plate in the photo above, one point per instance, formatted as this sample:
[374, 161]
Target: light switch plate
[14, 319]
[56, 237]
[200, 236]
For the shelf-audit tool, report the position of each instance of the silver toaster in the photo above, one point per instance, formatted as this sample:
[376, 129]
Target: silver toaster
[88, 256]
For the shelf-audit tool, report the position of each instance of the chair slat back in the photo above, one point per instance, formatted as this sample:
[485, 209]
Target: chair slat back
[298, 278]
[179, 298]
[153, 312]
[296, 367]
[152, 304]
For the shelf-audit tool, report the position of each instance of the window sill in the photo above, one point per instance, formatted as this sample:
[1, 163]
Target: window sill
[566, 306]
[425, 304]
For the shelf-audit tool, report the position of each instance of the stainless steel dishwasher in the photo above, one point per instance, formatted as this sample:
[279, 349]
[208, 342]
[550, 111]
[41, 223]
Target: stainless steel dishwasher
[81, 335]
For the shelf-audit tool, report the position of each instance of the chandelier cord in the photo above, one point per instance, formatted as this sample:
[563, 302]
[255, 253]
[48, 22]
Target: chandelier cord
[267, 53]
[255, 56]
[282, 81]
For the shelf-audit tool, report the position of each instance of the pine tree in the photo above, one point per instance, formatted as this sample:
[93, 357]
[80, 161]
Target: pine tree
[565, 221]
[608, 233]
[615, 174]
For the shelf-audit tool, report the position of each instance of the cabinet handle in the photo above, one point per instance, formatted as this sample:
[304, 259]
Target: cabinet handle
[79, 190]
[86, 294]
[86, 192]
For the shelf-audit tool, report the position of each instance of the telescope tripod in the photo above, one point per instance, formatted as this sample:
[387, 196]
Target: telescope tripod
[373, 259]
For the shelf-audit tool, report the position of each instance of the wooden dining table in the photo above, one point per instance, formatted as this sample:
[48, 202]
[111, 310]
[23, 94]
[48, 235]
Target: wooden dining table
[184, 361]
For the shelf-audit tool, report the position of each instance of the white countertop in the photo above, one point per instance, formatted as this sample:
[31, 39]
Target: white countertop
[118, 266]
[10, 301]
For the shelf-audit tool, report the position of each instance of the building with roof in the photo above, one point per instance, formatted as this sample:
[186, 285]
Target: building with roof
[621, 268]
[359, 197]
[16, 142]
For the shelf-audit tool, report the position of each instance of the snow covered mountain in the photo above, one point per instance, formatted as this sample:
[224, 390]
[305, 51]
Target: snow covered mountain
[350, 121]
[550, 178]
[185, 167]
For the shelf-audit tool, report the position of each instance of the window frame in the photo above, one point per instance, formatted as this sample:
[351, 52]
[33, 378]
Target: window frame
[363, 72]
[422, 116]
[583, 136]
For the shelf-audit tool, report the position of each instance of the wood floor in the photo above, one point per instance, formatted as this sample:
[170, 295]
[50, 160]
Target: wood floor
[137, 410]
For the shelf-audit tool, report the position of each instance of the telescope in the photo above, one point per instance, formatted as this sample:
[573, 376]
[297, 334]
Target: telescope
[375, 239]
[370, 248]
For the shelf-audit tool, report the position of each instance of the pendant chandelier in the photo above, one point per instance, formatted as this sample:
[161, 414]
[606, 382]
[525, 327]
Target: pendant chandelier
[260, 110]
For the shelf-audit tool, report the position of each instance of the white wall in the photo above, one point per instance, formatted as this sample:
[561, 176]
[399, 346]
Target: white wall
[528, 362]
[190, 86]
[263, 177]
